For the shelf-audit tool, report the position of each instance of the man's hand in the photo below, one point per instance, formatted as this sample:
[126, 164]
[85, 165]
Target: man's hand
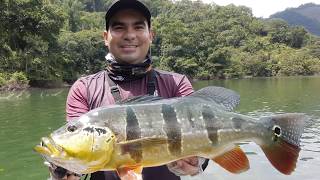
[129, 175]
[188, 166]
[59, 173]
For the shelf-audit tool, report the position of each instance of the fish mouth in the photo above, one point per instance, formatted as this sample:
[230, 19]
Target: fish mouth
[48, 147]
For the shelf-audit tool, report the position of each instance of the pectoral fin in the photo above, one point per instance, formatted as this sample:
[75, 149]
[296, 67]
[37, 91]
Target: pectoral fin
[234, 161]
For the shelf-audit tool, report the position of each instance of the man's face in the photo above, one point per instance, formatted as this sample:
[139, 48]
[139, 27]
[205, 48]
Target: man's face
[128, 37]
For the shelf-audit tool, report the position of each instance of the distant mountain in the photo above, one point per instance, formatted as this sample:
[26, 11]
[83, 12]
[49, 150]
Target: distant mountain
[307, 15]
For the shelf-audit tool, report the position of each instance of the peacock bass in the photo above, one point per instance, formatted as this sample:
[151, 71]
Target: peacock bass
[149, 131]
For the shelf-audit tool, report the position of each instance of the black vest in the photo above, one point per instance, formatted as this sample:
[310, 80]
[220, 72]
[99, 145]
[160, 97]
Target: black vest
[151, 173]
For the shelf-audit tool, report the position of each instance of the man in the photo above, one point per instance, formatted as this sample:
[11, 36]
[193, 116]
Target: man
[128, 37]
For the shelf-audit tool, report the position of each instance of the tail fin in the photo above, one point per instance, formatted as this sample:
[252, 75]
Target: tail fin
[283, 147]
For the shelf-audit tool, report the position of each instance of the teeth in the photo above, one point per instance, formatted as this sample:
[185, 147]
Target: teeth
[46, 163]
[47, 143]
[43, 144]
[129, 46]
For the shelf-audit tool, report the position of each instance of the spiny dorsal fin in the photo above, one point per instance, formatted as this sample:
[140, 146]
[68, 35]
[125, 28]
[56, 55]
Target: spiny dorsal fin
[234, 161]
[225, 97]
[141, 99]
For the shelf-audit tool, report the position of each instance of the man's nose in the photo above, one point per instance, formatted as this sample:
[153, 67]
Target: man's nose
[130, 34]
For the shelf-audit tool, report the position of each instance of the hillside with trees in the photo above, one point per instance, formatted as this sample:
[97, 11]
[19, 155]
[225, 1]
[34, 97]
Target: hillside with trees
[60, 40]
[307, 15]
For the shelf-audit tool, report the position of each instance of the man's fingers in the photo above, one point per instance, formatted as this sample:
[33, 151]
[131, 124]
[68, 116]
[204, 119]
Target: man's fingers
[129, 175]
[191, 160]
[194, 161]
[72, 177]
[65, 175]
[187, 166]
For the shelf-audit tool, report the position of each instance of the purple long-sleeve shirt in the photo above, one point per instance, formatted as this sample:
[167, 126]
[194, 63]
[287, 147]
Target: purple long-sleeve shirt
[168, 85]
[94, 91]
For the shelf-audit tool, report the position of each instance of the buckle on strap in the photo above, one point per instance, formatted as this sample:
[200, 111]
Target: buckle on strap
[114, 89]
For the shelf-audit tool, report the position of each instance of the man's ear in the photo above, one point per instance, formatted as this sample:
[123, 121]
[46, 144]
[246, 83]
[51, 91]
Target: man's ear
[152, 35]
[105, 37]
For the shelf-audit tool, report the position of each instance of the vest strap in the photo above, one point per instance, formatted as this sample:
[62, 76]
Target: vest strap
[151, 85]
[114, 89]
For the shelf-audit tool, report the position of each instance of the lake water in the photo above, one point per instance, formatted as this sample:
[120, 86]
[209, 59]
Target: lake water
[27, 116]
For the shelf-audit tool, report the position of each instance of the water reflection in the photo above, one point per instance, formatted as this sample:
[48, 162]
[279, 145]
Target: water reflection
[7, 96]
[25, 94]
[25, 117]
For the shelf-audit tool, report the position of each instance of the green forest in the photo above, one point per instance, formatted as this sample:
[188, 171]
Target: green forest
[55, 41]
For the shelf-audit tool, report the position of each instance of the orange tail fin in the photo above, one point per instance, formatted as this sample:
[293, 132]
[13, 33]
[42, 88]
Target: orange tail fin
[282, 144]
[282, 155]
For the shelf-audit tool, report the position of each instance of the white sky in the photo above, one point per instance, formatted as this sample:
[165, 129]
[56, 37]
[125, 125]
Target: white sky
[264, 8]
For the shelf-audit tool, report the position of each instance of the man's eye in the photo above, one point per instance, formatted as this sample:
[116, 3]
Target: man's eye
[139, 27]
[118, 27]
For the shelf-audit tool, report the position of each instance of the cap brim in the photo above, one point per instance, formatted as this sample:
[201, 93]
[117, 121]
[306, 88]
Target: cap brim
[127, 4]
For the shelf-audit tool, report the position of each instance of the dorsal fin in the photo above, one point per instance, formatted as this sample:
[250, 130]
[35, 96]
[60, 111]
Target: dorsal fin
[141, 99]
[223, 96]
[235, 161]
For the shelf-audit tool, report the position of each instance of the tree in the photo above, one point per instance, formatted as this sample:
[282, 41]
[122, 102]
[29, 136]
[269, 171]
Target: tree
[81, 53]
[32, 29]
[297, 37]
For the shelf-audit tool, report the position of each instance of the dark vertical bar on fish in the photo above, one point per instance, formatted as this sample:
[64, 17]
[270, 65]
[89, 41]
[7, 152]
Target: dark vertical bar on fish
[210, 124]
[133, 131]
[172, 129]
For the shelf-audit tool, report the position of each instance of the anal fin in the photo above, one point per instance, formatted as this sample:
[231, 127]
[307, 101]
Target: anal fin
[234, 161]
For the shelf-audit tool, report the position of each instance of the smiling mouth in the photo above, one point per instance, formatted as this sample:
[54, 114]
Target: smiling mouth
[129, 46]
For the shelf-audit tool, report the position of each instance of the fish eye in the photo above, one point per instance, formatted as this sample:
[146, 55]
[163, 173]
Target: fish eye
[71, 128]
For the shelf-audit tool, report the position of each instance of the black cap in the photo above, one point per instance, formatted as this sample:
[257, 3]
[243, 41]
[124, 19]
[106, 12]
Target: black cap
[127, 4]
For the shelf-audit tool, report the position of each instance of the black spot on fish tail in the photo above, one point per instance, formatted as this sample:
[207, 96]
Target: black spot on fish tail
[172, 129]
[211, 124]
[277, 131]
[190, 117]
[101, 131]
[237, 122]
[89, 129]
[133, 131]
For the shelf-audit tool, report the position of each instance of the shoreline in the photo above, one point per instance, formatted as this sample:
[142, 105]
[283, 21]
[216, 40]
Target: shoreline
[252, 77]
[20, 89]
[69, 84]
